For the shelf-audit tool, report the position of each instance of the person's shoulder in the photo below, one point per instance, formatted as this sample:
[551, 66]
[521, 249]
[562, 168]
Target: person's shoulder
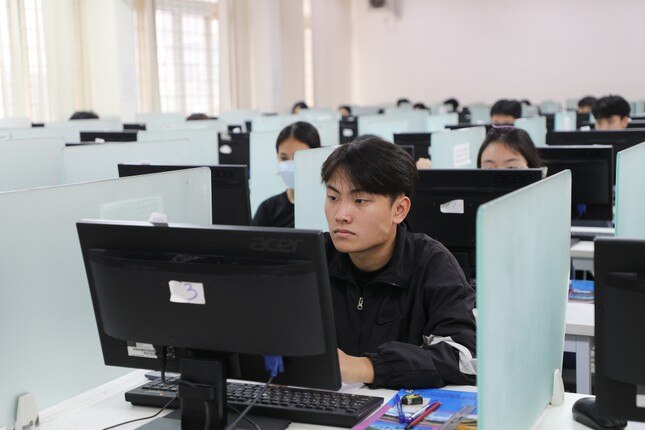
[275, 200]
[433, 254]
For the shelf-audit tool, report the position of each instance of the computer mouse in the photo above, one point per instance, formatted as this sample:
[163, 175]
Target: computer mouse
[584, 411]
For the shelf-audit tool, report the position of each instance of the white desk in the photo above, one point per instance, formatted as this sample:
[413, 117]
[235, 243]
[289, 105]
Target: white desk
[105, 406]
[578, 338]
[582, 256]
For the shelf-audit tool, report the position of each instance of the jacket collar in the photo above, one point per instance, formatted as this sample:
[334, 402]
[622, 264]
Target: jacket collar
[399, 270]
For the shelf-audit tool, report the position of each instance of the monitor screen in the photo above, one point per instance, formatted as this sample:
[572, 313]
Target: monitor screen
[229, 189]
[445, 202]
[619, 270]
[420, 142]
[109, 136]
[592, 193]
[234, 148]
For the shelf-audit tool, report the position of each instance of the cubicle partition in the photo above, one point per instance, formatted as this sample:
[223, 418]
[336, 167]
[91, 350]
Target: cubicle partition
[630, 187]
[16, 122]
[203, 142]
[47, 326]
[273, 122]
[535, 127]
[73, 128]
[523, 245]
[29, 163]
[440, 121]
[479, 113]
[39, 133]
[565, 121]
[264, 179]
[328, 131]
[310, 191]
[93, 162]
[457, 148]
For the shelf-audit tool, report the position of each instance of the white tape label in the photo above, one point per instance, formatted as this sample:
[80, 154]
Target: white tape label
[461, 155]
[452, 207]
[187, 292]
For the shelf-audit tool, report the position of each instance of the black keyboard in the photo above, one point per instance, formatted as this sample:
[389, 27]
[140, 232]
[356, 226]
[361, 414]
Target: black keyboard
[296, 404]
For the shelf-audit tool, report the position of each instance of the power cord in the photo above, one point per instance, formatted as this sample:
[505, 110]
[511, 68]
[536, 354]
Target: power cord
[248, 408]
[141, 419]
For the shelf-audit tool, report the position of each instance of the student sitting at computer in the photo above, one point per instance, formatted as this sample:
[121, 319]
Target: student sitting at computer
[345, 110]
[505, 111]
[84, 114]
[611, 113]
[402, 305]
[298, 106]
[585, 104]
[508, 147]
[278, 211]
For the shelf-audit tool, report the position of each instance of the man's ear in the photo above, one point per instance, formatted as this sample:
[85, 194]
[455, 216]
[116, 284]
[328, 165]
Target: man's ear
[624, 121]
[401, 208]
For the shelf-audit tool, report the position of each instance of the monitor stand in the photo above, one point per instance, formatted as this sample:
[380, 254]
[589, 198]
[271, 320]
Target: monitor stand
[202, 394]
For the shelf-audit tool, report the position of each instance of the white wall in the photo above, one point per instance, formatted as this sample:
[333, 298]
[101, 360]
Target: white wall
[483, 50]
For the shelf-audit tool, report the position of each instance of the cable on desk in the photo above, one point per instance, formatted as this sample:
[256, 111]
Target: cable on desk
[141, 419]
[248, 408]
[253, 423]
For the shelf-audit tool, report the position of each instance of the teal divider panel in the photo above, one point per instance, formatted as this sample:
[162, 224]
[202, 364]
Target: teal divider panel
[364, 110]
[310, 192]
[529, 111]
[317, 115]
[273, 123]
[85, 163]
[16, 122]
[439, 122]
[39, 133]
[239, 116]
[50, 342]
[565, 121]
[535, 127]
[203, 142]
[630, 186]
[265, 181]
[211, 124]
[479, 114]
[144, 117]
[383, 126]
[457, 148]
[550, 106]
[29, 163]
[572, 104]
[73, 128]
[329, 132]
[523, 241]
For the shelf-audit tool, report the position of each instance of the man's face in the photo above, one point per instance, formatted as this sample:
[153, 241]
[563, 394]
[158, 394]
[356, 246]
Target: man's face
[359, 221]
[614, 122]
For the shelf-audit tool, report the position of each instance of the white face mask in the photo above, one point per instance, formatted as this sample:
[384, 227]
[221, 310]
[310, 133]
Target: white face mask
[286, 170]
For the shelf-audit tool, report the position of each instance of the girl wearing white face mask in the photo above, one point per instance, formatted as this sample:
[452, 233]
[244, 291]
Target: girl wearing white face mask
[277, 211]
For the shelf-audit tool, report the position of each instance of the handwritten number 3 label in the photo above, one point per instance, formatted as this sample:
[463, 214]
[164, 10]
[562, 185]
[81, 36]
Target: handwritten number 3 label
[187, 292]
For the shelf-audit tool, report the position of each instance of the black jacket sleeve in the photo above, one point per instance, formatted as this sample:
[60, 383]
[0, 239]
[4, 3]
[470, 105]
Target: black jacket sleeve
[446, 353]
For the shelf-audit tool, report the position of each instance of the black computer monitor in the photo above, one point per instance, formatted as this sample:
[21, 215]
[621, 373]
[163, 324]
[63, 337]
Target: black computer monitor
[134, 126]
[592, 183]
[234, 148]
[619, 270]
[348, 129]
[582, 118]
[215, 299]
[468, 125]
[619, 139]
[109, 136]
[229, 189]
[420, 142]
[445, 202]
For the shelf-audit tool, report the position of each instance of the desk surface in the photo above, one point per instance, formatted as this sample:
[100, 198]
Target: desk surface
[580, 319]
[583, 249]
[105, 406]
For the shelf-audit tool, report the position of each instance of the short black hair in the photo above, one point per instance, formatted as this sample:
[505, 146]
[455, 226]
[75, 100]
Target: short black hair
[399, 102]
[346, 107]
[507, 107]
[84, 114]
[375, 166]
[197, 116]
[301, 131]
[453, 102]
[526, 102]
[517, 140]
[420, 105]
[609, 106]
[587, 101]
[300, 104]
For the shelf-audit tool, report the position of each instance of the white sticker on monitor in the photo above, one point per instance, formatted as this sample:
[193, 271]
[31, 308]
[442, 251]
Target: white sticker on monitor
[461, 155]
[452, 207]
[143, 350]
[187, 292]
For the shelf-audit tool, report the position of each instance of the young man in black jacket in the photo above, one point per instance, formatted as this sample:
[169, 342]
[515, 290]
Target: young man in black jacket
[402, 305]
